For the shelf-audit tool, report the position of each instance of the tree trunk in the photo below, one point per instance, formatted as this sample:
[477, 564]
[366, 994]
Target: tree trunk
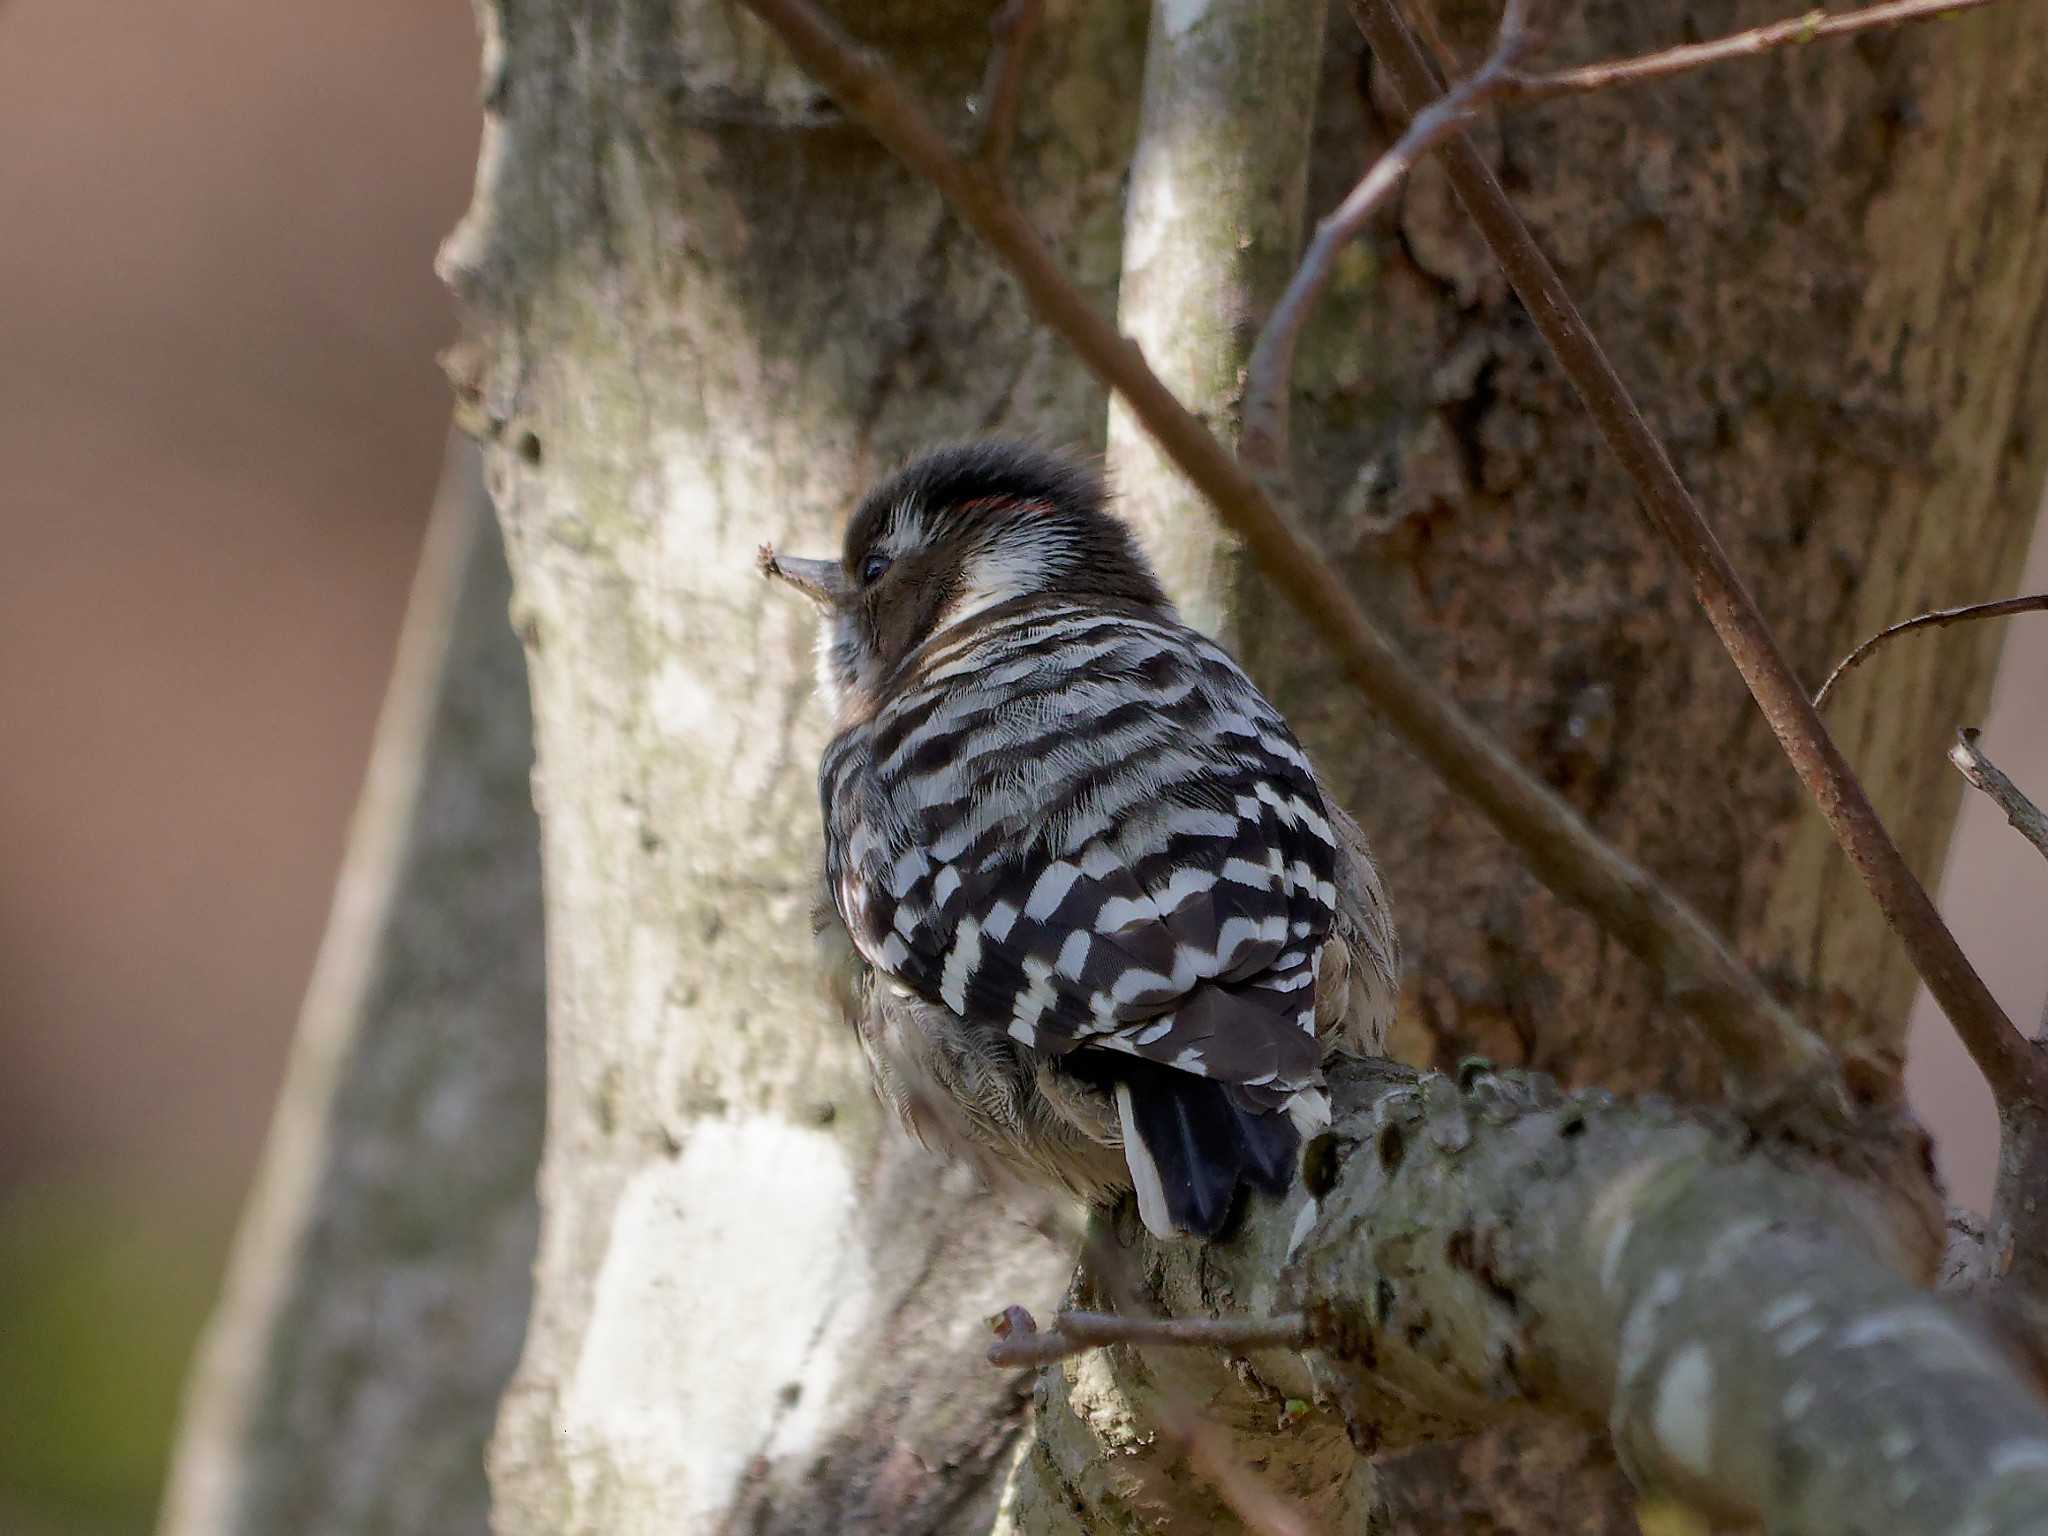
[703, 311]
[379, 1286]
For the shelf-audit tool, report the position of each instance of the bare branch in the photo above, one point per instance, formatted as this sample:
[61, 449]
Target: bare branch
[1747, 1323]
[1811, 27]
[1939, 618]
[1997, 1047]
[1744, 1326]
[1268, 377]
[2013, 1285]
[1020, 1341]
[1423, 15]
[1001, 84]
[1986, 776]
[1498, 80]
[1759, 1039]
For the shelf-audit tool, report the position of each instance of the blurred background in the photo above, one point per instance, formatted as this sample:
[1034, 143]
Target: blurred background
[221, 425]
[220, 428]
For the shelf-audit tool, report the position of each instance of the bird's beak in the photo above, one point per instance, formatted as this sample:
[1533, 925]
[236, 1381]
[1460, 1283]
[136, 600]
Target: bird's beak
[819, 580]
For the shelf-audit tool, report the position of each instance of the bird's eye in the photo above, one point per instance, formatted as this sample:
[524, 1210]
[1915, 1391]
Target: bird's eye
[871, 569]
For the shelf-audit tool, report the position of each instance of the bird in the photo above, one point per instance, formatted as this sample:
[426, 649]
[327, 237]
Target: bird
[1096, 920]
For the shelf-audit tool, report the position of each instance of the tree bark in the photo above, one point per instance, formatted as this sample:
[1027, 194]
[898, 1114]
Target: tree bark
[379, 1287]
[756, 1304]
[702, 311]
[1755, 246]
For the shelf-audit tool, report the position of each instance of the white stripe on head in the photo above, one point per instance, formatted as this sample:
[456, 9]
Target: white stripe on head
[905, 530]
[1027, 556]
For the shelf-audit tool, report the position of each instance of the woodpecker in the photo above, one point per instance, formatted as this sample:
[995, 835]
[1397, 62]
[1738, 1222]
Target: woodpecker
[1102, 923]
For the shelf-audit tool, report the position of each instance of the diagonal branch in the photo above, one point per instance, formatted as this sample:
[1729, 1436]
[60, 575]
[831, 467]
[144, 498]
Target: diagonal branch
[1986, 777]
[1759, 1039]
[2014, 1290]
[1997, 1047]
[1938, 619]
[1002, 84]
[1268, 389]
[1811, 27]
[1499, 81]
[1752, 1332]
[1209, 1453]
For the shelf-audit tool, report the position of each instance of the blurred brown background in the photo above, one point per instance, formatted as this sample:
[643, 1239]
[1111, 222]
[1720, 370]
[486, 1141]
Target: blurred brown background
[220, 424]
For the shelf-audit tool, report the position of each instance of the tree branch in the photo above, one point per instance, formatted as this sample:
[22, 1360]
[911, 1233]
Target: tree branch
[1985, 776]
[1939, 618]
[1268, 384]
[1757, 1037]
[1748, 1324]
[1210, 1454]
[1021, 1342]
[1750, 1329]
[1812, 27]
[1498, 81]
[1212, 224]
[1001, 86]
[1993, 1042]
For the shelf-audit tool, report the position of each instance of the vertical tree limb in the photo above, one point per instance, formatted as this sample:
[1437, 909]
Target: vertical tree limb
[699, 311]
[1212, 219]
[372, 1315]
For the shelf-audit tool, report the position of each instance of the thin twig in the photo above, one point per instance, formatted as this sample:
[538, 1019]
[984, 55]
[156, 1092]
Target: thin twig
[1020, 1342]
[1002, 82]
[1269, 374]
[1498, 81]
[1998, 1048]
[1985, 775]
[1423, 16]
[1757, 1037]
[1937, 619]
[1811, 27]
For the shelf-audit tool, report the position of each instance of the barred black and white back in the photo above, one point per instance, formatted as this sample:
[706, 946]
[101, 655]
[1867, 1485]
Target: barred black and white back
[1093, 866]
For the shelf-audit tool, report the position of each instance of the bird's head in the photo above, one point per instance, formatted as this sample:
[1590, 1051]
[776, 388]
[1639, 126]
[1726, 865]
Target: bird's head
[960, 531]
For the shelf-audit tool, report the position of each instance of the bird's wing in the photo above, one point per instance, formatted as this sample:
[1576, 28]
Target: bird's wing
[1125, 851]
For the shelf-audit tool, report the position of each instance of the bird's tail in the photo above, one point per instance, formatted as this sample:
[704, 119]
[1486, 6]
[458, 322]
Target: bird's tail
[1192, 1149]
